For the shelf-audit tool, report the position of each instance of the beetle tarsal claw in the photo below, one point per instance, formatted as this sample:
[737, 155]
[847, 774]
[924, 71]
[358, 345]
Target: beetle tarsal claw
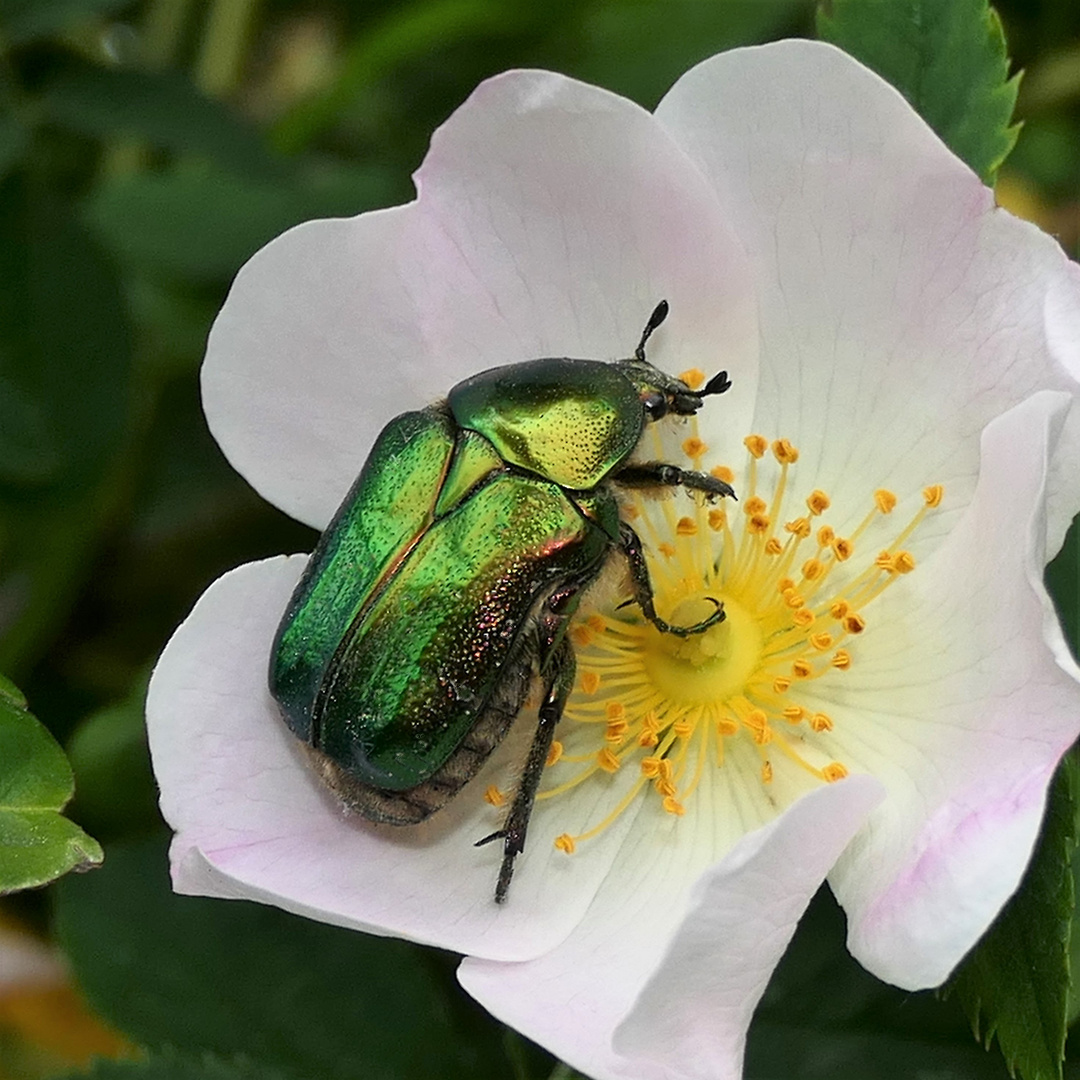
[499, 834]
[716, 617]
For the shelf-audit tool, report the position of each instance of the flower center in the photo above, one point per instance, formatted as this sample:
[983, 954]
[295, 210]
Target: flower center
[797, 598]
[707, 666]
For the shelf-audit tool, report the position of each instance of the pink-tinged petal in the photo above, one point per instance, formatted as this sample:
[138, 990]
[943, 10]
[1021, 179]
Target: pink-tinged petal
[660, 979]
[899, 310]
[251, 818]
[961, 699]
[552, 218]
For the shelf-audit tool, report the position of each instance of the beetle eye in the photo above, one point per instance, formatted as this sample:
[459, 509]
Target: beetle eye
[655, 406]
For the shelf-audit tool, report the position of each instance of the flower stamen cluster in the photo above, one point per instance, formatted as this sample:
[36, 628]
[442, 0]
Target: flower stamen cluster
[797, 596]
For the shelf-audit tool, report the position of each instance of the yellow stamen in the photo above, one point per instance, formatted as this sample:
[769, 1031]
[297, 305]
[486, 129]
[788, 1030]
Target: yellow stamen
[494, 796]
[659, 708]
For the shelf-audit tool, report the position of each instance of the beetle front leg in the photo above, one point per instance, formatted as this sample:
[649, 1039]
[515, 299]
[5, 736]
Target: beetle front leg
[630, 545]
[659, 474]
[558, 666]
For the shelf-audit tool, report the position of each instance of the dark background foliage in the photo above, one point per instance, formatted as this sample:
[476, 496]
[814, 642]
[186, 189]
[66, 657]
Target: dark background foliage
[146, 150]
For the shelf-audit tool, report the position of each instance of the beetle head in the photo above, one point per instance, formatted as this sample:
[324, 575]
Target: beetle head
[661, 393]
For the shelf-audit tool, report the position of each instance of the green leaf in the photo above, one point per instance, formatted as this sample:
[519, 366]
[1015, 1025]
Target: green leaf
[947, 57]
[1014, 985]
[232, 977]
[37, 844]
[202, 225]
[162, 108]
[27, 20]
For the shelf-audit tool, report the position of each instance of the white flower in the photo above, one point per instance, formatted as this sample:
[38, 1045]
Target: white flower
[875, 309]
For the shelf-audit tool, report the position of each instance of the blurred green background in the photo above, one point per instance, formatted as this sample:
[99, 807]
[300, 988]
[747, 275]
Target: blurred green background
[146, 150]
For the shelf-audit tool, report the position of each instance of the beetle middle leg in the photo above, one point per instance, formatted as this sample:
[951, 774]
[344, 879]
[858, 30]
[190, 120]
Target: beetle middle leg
[558, 667]
[630, 545]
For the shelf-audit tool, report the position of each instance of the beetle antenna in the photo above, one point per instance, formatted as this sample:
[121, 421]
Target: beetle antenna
[655, 319]
[716, 385]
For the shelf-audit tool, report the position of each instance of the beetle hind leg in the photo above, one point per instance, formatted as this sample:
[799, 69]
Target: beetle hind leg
[558, 667]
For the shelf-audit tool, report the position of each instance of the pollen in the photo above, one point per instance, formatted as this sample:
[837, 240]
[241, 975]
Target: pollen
[654, 716]
[494, 796]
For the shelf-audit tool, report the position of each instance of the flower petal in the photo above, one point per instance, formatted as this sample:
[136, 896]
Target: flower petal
[552, 218]
[659, 981]
[899, 310]
[961, 700]
[253, 820]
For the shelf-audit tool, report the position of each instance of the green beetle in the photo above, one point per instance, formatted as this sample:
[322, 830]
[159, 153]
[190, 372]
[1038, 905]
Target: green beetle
[452, 569]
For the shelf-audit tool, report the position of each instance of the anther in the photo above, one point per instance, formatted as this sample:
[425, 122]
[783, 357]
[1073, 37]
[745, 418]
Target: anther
[825, 536]
[694, 448]
[842, 549]
[555, 751]
[833, 771]
[590, 682]
[841, 659]
[766, 772]
[717, 520]
[686, 527]
[650, 767]
[821, 722]
[673, 806]
[800, 527]
[903, 562]
[693, 377]
[494, 796]
[854, 623]
[821, 641]
[607, 760]
[812, 569]
[839, 608]
[666, 549]
[817, 502]
[885, 500]
[722, 472]
[756, 444]
[773, 546]
[801, 669]
[615, 710]
[934, 494]
[755, 505]
[793, 713]
[784, 452]
[565, 842]
[803, 618]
